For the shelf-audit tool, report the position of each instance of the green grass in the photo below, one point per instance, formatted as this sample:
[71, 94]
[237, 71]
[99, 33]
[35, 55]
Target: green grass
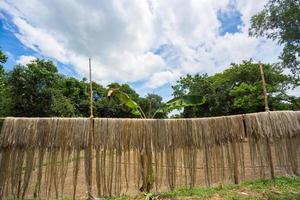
[280, 188]
[283, 188]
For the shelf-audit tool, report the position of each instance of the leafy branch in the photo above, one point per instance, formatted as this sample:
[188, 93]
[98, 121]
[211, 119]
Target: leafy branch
[173, 104]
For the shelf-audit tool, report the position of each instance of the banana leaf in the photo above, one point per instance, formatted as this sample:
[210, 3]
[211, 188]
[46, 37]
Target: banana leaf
[181, 102]
[125, 100]
[173, 104]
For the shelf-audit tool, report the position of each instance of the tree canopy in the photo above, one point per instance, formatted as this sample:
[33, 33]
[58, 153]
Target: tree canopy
[236, 90]
[32, 88]
[280, 21]
[151, 103]
[37, 89]
[5, 105]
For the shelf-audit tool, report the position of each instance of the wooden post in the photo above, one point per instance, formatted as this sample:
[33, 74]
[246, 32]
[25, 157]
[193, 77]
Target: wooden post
[267, 110]
[91, 90]
[264, 87]
[88, 158]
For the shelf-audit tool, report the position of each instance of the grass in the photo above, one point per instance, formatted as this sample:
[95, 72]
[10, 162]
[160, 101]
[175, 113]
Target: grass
[283, 188]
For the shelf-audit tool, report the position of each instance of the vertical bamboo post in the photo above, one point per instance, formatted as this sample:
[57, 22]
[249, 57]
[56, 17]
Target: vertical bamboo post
[267, 110]
[264, 87]
[91, 90]
[88, 151]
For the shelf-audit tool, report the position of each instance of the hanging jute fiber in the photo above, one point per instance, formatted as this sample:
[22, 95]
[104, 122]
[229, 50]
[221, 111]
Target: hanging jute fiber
[50, 157]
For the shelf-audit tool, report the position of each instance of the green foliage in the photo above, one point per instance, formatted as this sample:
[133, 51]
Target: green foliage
[38, 90]
[246, 96]
[32, 88]
[280, 20]
[76, 93]
[125, 100]
[113, 107]
[236, 90]
[150, 104]
[62, 106]
[5, 97]
[3, 58]
[181, 102]
[278, 189]
[176, 103]
[150, 196]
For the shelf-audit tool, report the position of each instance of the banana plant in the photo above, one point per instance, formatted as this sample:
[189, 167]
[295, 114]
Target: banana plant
[176, 103]
[173, 104]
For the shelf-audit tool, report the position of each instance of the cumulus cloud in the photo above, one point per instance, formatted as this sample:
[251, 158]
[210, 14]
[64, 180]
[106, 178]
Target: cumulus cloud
[161, 78]
[23, 60]
[152, 41]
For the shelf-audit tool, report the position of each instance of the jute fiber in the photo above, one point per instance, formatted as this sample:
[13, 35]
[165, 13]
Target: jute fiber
[48, 157]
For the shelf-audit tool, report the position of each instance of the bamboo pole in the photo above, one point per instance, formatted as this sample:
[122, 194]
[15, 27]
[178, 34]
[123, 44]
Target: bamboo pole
[88, 151]
[267, 110]
[91, 90]
[264, 87]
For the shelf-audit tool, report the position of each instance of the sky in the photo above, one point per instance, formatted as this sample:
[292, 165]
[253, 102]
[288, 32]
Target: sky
[148, 44]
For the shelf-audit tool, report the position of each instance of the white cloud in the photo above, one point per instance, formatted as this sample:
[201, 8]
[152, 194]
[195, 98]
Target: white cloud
[23, 60]
[122, 38]
[294, 92]
[161, 78]
[248, 9]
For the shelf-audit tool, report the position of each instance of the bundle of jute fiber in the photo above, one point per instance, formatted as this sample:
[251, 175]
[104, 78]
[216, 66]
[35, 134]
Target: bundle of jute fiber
[159, 150]
[43, 145]
[221, 138]
[283, 130]
[119, 144]
[135, 154]
[109, 150]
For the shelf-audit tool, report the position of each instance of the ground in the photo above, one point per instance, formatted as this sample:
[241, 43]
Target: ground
[285, 188]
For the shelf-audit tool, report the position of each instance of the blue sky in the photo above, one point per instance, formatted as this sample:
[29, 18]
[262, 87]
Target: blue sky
[148, 44]
[15, 50]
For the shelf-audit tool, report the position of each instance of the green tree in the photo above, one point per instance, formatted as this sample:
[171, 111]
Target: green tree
[33, 88]
[5, 98]
[113, 108]
[74, 96]
[38, 90]
[77, 93]
[150, 104]
[3, 58]
[197, 85]
[236, 90]
[280, 20]
[62, 106]
[295, 103]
